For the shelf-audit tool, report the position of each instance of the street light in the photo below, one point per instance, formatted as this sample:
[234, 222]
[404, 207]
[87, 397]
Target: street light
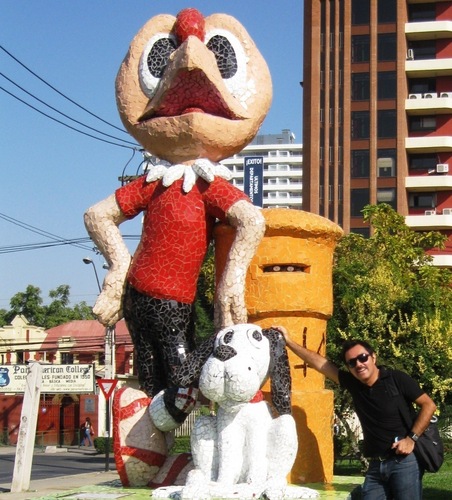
[88, 260]
[109, 331]
[109, 364]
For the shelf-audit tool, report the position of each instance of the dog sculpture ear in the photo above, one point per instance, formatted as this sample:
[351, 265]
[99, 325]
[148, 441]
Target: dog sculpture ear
[279, 372]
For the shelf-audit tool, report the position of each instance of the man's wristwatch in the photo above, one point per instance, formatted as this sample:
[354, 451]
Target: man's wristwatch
[413, 436]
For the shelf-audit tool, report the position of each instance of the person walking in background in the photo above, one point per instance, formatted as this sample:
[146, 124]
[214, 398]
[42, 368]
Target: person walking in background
[394, 472]
[87, 431]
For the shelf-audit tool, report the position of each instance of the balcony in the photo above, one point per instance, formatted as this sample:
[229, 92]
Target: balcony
[434, 222]
[428, 30]
[438, 143]
[429, 183]
[423, 68]
[429, 103]
[442, 260]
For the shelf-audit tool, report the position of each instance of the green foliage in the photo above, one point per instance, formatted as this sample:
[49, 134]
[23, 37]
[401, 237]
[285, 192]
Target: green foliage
[100, 443]
[58, 312]
[387, 292]
[205, 297]
[181, 445]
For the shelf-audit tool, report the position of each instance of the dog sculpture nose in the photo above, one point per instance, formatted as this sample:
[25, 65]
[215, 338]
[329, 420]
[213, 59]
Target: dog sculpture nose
[224, 352]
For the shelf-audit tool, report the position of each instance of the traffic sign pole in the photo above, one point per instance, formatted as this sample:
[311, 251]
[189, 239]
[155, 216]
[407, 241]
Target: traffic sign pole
[107, 387]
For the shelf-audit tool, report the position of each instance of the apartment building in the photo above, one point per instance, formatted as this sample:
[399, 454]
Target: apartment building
[282, 172]
[378, 112]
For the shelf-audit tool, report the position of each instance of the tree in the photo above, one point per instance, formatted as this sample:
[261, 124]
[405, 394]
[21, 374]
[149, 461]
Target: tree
[387, 292]
[205, 292]
[29, 304]
[59, 312]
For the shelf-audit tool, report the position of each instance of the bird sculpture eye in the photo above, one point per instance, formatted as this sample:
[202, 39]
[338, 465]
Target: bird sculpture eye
[231, 60]
[154, 60]
[158, 56]
[224, 54]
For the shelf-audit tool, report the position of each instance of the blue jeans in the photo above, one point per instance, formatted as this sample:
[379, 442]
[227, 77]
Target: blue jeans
[397, 478]
[86, 435]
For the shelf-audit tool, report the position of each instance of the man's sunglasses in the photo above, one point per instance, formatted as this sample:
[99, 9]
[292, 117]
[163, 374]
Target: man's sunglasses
[362, 358]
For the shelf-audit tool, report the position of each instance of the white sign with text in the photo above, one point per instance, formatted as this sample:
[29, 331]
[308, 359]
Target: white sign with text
[55, 378]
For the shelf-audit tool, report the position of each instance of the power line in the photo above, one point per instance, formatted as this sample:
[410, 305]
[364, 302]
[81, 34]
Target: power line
[56, 240]
[65, 124]
[60, 93]
[39, 246]
[63, 114]
[41, 232]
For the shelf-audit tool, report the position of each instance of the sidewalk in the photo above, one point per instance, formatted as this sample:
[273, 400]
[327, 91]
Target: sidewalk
[107, 486]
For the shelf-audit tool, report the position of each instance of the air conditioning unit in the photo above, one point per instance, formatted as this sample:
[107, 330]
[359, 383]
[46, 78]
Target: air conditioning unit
[410, 55]
[442, 168]
[447, 211]
[414, 96]
[446, 94]
[430, 95]
[430, 212]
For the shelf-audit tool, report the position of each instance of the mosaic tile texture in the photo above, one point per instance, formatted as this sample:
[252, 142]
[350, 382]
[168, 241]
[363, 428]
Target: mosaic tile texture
[192, 90]
[245, 448]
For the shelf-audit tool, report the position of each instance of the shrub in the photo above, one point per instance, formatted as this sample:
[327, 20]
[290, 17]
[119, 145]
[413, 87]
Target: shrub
[100, 443]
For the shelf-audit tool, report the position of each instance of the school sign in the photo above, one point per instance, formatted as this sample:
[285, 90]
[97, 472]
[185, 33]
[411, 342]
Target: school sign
[55, 378]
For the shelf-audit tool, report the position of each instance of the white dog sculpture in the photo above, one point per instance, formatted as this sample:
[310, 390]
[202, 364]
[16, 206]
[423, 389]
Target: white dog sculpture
[245, 451]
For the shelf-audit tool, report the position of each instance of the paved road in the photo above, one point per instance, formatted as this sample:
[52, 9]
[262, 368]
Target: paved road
[52, 465]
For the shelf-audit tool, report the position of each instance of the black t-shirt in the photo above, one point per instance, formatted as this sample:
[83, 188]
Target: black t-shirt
[377, 407]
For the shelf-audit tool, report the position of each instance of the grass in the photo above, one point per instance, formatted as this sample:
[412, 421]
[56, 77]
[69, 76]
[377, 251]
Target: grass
[437, 486]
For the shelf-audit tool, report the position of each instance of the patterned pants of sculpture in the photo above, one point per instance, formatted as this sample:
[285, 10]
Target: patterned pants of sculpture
[162, 332]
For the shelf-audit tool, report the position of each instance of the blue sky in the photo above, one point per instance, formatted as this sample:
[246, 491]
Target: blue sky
[51, 174]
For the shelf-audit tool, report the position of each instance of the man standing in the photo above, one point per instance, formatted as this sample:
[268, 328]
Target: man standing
[394, 472]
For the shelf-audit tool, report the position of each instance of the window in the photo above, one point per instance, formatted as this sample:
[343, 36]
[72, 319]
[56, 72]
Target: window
[386, 123]
[387, 85]
[360, 125]
[387, 195]
[422, 200]
[20, 356]
[423, 162]
[422, 123]
[421, 12]
[387, 47]
[422, 85]
[360, 12]
[360, 86]
[67, 358]
[277, 180]
[387, 11]
[360, 48]
[359, 199]
[360, 163]
[424, 49]
[386, 163]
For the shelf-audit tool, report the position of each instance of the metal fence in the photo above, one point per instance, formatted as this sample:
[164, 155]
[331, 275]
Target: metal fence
[187, 426]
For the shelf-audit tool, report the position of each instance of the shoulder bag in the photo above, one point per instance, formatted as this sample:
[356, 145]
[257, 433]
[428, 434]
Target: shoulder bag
[429, 448]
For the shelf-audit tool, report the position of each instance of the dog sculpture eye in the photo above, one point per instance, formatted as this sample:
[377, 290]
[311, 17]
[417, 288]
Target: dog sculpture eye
[255, 338]
[228, 336]
[257, 335]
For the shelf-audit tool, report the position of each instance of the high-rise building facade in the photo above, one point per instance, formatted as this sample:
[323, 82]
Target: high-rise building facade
[282, 172]
[377, 119]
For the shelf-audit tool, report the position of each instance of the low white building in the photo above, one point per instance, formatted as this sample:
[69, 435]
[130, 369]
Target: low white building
[283, 168]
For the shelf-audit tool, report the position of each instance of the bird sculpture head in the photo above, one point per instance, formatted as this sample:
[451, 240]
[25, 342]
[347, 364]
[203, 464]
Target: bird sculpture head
[192, 87]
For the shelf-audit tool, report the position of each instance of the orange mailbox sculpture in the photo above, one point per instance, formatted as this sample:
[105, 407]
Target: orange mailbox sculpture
[289, 283]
